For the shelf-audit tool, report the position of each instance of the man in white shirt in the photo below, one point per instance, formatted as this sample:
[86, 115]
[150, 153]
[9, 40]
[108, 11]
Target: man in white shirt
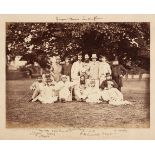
[76, 68]
[104, 68]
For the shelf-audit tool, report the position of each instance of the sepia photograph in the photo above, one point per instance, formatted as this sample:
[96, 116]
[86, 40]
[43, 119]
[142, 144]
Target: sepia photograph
[77, 77]
[77, 74]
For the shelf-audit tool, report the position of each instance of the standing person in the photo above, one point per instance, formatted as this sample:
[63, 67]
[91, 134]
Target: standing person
[56, 69]
[66, 68]
[104, 68]
[118, 71]
[76, 68]
[86, 66]
[94, 67]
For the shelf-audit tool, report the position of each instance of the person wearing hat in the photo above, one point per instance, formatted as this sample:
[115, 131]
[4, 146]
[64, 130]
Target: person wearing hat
[66, 68]
[108, 80]
[110, 93]
[104, 68]
[94, 67]
[64, 88]
[118, 71]
[76, 69]
[56, 69]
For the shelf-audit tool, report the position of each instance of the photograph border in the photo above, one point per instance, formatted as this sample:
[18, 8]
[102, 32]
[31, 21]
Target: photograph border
[74, 133]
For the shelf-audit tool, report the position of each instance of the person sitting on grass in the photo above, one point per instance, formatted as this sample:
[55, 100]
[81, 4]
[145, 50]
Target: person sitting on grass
[64, 88]
[109, 92]
[36, 84]
[46, 92]
[92, 91]
[80, 89]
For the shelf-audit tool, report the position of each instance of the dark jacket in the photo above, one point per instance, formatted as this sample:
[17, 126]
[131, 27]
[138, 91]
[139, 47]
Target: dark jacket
[118, 70]
[104, 84]
[66, 69]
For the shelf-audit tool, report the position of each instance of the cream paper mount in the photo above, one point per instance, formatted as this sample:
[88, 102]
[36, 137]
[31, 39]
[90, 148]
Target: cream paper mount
[70, 121]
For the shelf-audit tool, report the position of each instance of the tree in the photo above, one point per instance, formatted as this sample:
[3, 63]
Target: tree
[36, 42]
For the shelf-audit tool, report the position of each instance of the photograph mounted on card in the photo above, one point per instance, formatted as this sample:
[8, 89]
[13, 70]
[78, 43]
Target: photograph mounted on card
[77, 76]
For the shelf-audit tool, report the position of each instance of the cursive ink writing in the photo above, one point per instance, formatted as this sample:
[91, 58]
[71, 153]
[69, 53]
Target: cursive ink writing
[84, 18]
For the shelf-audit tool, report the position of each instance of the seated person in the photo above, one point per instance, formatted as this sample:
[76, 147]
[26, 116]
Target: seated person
[46, 92]
[93, 95]
[64, 88]
[110, 93]
[107, 79]
[80, 89]
[35, 84]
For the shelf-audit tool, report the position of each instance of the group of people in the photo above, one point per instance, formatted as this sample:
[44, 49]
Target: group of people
[85, 81]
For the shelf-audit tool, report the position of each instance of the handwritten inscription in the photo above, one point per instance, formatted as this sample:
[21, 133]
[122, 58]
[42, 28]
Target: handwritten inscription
[51, 133]
[74, 19]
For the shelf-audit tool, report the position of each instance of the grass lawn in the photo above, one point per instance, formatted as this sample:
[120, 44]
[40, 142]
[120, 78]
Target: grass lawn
[20, 113]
